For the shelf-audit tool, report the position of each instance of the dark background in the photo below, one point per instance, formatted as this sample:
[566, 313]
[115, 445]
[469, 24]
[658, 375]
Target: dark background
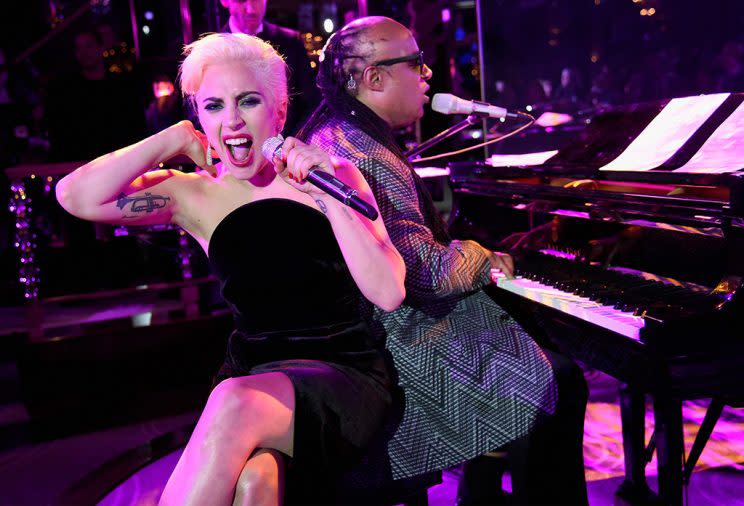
[616, 52]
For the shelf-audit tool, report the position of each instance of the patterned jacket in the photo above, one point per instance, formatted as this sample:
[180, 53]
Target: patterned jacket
[473, 379]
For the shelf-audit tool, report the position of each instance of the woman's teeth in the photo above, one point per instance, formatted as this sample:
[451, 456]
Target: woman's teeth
[239, 148]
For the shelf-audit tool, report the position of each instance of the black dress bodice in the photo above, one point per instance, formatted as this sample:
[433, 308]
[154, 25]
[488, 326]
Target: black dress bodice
[292, 295]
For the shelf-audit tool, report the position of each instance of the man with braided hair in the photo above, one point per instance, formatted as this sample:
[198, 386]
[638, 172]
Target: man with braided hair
[473, 379]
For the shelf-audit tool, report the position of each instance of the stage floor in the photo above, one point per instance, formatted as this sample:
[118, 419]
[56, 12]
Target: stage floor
[39, 472]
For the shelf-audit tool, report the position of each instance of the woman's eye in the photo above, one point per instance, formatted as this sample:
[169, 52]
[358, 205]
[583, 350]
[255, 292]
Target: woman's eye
[250, 102]
[212, 107]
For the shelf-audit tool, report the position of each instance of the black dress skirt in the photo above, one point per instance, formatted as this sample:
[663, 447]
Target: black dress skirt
[298, 311]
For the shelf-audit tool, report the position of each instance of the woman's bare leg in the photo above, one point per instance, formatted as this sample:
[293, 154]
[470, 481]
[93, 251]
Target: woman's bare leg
[242, 414]
[261, 482]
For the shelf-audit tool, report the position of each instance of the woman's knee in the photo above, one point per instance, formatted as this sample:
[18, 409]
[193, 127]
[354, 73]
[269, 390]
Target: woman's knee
[232, 391]
[236, 404]
[228, 401]
[261, 481]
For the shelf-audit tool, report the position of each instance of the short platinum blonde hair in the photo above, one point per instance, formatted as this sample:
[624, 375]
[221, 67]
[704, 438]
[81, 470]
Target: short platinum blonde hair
[266, 65]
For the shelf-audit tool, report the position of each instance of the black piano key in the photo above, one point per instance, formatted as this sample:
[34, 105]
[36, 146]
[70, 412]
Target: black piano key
[624, 291]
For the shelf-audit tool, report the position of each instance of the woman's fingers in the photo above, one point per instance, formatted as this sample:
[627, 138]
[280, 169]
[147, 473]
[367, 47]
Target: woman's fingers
[197, 147]
[297, 163]
[301, 158]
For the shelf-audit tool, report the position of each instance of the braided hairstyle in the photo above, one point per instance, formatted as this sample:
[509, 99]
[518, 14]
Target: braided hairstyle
[344, 56]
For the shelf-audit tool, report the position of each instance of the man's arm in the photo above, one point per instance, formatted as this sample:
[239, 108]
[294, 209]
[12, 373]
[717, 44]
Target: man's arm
[433, 269]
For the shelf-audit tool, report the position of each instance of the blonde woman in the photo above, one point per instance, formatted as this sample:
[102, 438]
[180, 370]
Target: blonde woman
[305, 382]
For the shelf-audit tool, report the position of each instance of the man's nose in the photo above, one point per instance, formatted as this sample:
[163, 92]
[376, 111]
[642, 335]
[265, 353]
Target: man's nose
[426, 73]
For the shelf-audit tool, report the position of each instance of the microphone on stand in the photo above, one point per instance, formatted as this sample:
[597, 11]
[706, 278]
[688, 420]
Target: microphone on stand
[447, 103]
[272, 149]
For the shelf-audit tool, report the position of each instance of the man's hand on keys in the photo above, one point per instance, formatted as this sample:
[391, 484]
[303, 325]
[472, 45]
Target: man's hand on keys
[502, 265]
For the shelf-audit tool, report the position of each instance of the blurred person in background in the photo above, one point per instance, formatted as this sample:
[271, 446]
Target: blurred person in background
[731, 61]
[108, 107]
[165, 108]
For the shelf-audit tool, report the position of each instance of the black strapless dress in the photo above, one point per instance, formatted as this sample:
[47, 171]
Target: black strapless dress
[298, 311]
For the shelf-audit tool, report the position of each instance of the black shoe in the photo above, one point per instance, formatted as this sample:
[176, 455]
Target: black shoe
[480, 483]
[493, 499]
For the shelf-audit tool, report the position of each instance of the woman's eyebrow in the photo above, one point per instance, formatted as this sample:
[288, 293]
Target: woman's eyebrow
[246, 93]
[240, 96]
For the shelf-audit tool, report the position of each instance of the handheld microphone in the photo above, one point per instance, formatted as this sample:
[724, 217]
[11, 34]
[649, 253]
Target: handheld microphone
[447, 103]
[272, 149]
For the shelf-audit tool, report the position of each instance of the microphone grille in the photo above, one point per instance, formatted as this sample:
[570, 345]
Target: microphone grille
[443, 103]
[270, 146]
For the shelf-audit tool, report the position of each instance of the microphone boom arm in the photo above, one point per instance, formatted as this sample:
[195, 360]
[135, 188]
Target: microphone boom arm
[472, 119]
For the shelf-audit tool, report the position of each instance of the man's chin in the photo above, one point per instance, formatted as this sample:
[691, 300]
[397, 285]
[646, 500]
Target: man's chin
[249, 25]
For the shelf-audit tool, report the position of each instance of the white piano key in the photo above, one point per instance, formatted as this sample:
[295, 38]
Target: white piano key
[608, 317]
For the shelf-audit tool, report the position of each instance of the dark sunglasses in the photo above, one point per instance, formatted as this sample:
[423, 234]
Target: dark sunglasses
[417, 57]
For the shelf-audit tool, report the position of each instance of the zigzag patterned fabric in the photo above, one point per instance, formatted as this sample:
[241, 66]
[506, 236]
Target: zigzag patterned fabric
[472, 377]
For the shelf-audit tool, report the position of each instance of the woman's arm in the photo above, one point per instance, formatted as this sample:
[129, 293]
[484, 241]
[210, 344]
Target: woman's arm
[120, 187]
[374, 263]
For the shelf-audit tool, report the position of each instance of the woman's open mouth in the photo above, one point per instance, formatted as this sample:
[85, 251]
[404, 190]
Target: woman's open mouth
[239, 151]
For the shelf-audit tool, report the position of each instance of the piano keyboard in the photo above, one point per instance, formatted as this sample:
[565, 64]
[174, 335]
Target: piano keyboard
[621, 322]
[618, 299]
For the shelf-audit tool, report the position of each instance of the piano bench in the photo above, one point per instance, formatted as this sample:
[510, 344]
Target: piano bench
[409, 492]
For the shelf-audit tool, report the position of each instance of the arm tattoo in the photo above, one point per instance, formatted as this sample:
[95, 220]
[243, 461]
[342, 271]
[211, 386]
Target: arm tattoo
[321, 206]
[141, 204]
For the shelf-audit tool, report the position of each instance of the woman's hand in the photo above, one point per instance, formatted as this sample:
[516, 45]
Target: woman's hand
[298, 159]
[193, 143]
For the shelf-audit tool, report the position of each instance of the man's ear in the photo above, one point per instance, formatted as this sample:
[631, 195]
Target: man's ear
[374, 79]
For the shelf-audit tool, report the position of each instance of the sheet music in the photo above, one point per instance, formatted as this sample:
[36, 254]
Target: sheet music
[666, 133]
[425, 172]
[723, 151]
[524, 159]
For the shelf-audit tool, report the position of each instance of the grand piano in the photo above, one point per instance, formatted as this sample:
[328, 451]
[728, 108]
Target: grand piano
[629, 242]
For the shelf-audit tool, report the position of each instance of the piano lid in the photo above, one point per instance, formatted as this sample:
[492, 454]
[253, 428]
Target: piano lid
[695, 140]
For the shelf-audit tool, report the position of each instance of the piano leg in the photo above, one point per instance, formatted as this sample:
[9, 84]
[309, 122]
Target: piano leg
[670, 447]
[634, 488]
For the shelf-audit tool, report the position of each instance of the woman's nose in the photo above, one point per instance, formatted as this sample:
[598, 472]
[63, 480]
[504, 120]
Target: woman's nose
[234, 121]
